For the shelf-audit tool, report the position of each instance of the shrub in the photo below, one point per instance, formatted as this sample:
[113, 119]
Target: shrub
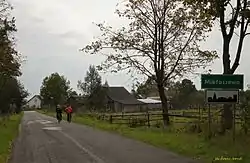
[194, 127]
[158, 124]
[135, 122]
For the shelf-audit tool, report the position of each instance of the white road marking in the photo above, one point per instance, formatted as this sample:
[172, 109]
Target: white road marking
[52, 128]
[30, 111]
[96, 158]
[44, 122]
[31, 122]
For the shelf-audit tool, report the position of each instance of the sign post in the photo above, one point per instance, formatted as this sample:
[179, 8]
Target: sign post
[222, 89]
[234, 122]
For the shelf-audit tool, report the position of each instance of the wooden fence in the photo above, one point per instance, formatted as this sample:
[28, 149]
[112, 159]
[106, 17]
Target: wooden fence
[146, 119]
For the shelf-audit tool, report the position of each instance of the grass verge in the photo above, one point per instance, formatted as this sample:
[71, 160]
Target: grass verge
[8, 132]
[193, 145]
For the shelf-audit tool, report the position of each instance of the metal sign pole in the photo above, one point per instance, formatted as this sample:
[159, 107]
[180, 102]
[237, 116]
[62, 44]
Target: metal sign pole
[234, 108]
[209, 122]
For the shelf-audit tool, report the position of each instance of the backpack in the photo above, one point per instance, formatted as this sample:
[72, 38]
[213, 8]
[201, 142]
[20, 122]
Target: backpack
[69, 109]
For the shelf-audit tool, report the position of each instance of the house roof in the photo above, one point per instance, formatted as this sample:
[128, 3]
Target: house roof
[150, 101]
[34, 97]
[121, 95]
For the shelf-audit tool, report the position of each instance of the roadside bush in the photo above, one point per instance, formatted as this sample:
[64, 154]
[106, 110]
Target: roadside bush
[193, 127]
[245, 119]
[132, 122]
[245, 112]
[158, 124]
[135, 122]
[99, 117]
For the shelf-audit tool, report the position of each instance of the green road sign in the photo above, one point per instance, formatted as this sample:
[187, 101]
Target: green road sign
[209, 81]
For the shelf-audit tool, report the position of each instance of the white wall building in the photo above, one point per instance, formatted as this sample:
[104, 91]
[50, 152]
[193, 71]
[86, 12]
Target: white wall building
[34, 102]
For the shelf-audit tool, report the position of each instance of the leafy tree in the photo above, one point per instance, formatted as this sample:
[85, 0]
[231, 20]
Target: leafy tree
[183, 94]
[11, 91]
[234, 20]
[20, 97]
[161, 41]
[9, 57]
[92, 87]
[73, 99]
[106, 84]
[72, 93]
[186, 92]
[199, 98]
[91, 81]
[9, 63]
[55, 89]
[146, 88]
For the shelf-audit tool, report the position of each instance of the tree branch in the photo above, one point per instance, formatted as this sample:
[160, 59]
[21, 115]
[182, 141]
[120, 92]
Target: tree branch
[235, 16]
[220, 9]
[162, 41]
[140, 67]
[155, 11]
[155, 46]
[240, 44]
[246, 26]
[180, 54]
[145, 23]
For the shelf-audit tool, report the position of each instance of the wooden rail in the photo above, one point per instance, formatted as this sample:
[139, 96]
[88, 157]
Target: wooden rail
[146, 119]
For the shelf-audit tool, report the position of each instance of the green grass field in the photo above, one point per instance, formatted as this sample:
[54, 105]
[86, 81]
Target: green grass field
[8, 132]
[197, 146]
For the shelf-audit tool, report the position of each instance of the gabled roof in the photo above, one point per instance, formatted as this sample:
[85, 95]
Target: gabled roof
[121, 95]
[34, 97]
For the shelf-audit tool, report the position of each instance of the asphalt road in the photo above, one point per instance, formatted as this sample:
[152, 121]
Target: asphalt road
[43, 140]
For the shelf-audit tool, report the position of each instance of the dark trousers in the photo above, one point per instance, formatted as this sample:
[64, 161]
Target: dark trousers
[69, 116]
[59, 116]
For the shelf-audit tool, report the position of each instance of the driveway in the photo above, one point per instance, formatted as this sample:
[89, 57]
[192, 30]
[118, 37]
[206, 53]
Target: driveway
[43, 140]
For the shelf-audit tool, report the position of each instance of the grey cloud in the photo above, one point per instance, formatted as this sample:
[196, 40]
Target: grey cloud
[46, 54]
[36, 19]
[52, 45]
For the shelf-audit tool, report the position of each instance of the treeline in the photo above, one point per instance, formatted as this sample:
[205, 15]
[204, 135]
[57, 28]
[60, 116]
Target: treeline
[56, 89]
[12, 92]
[181, 94]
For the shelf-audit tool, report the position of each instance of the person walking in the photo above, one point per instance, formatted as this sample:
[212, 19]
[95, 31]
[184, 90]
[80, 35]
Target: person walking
[69, 111]
[58, 113]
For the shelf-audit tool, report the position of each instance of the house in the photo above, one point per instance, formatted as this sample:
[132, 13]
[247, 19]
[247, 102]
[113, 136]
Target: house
[34, 102]
[151, 104]
[118, 99]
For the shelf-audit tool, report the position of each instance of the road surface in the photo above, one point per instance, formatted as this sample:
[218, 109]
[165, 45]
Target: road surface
[42, 140]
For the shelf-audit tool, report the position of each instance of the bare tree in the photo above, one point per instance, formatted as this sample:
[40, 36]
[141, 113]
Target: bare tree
[238, 22]
[161, 42]
[234, 20]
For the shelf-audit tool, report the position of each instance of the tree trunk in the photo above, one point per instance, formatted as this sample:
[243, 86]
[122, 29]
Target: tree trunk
[164, 102]
[227, 118]
[227, 114]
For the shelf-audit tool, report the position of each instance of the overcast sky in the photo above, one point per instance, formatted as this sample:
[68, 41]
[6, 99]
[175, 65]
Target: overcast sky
[51, 32]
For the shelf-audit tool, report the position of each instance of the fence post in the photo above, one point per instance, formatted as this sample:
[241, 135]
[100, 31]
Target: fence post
[234, 122]
[110, 119]
[199, 112]
[148, 119]
[209, 122]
